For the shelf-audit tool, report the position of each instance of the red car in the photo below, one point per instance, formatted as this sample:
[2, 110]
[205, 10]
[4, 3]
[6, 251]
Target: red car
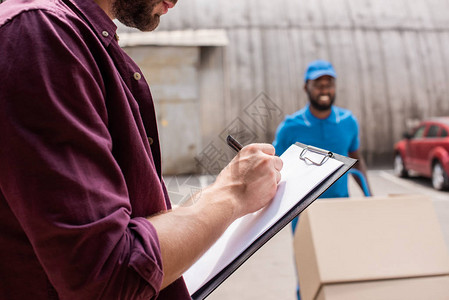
[426, 152]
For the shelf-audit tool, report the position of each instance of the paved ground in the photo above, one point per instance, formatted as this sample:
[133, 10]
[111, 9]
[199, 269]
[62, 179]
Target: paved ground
[269, 273]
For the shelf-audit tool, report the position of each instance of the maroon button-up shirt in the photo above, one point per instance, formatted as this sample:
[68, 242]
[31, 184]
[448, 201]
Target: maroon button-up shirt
[77, 174]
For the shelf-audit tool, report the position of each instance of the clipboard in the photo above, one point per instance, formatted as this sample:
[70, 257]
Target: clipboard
[309, 155]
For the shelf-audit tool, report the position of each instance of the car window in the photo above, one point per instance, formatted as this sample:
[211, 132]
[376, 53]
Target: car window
[419, 132]
[433, 131]
[443, 132]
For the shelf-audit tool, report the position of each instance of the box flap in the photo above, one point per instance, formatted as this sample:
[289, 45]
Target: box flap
[435, 288]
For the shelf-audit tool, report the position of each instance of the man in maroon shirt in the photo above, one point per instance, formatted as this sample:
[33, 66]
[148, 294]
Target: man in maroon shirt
[84, 213]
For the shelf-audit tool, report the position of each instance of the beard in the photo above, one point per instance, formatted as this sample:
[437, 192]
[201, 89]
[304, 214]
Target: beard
[137, 13]
[315, 103]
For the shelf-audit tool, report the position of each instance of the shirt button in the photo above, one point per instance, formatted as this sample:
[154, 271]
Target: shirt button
[105, 33]
[150, 140]
[137, 76]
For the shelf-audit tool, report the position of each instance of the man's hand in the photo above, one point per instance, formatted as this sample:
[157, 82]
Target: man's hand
[251, 178]
[246, 185]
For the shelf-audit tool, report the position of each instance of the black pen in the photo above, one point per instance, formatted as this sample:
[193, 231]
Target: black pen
[232, 142]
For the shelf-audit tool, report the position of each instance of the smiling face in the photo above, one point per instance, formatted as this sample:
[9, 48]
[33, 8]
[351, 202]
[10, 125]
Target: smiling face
[141, 14]
[321, 92]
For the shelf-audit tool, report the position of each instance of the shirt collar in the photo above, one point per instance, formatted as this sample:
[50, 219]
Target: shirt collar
[333, 117]
[100, 22]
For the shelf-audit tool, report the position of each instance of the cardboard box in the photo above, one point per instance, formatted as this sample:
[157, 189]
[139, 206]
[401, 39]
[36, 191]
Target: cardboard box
[368, 240]
[423, 288]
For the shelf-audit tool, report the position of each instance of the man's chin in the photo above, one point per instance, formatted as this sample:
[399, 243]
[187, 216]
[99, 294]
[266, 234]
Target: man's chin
[136, 18]
[321, 107]
[151, 26]
[142, 27]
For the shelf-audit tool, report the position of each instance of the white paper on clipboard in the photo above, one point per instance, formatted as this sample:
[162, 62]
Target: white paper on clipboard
[299, 177]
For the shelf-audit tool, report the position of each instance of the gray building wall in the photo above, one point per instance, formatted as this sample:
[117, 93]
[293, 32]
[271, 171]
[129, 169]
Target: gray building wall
[390, 55]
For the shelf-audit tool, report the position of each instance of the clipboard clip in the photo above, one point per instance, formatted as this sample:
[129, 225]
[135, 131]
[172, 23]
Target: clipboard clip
[326, 155]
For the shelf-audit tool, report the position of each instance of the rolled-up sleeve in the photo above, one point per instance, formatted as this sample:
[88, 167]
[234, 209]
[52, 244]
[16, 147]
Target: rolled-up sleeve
[58, 172]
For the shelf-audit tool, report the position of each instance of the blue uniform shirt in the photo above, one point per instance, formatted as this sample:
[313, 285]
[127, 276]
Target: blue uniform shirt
[338, 133]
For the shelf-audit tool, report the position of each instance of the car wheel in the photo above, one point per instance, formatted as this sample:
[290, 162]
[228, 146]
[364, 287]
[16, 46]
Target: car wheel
[440, 180]
[399, 167]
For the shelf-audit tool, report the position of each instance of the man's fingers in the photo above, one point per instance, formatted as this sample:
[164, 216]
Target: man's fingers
[267, 149]
[278, 177]
[278, 163]
[264, 148]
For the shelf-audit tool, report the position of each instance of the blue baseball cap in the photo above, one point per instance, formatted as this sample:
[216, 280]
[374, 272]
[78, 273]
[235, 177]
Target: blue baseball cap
[319, 68]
